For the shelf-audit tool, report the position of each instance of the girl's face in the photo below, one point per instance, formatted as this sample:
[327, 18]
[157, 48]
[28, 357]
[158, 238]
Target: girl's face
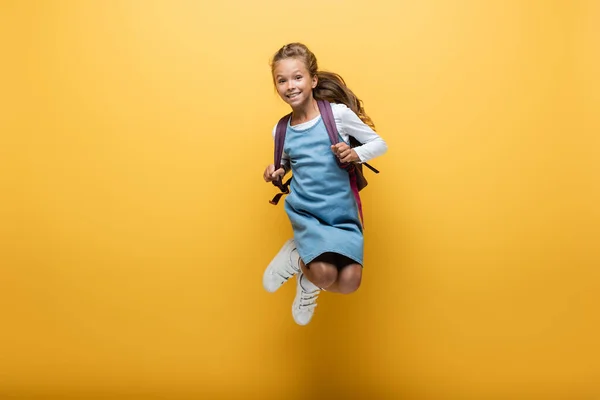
[293, 82]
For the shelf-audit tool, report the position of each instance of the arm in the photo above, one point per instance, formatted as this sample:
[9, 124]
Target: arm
[350, 125]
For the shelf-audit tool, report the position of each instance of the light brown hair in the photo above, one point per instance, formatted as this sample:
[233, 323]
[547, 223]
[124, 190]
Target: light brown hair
[330, 86]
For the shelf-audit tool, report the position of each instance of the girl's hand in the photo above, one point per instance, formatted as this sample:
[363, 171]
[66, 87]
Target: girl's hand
[271, 175]
[345, 153]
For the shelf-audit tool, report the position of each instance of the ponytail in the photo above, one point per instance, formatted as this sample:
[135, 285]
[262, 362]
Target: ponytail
[331, 87]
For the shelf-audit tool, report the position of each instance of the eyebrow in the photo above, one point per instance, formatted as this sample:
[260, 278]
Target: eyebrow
[293, 73]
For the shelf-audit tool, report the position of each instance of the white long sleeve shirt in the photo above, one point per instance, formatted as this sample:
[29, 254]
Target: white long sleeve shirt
[348, 124]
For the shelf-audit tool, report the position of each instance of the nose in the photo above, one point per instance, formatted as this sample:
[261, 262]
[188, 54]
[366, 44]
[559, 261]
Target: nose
[291, 84]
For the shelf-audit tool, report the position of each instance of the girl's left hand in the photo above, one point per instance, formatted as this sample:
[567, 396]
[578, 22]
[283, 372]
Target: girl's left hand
[345, 153]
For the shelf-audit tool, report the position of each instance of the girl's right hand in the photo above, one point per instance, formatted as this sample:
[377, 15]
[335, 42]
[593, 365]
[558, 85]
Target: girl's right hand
[271, 175]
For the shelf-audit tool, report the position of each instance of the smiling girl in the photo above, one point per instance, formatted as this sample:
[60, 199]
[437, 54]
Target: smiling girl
[326, 252]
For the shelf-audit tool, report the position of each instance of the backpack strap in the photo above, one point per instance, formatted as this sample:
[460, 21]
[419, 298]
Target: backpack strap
[327, 114]
[329, 121]
[334, 137]
[280, 132]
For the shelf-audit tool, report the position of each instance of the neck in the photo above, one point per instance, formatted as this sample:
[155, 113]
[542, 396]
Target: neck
[305, 112]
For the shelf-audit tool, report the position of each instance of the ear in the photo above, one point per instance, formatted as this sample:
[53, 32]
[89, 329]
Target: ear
[315, 80]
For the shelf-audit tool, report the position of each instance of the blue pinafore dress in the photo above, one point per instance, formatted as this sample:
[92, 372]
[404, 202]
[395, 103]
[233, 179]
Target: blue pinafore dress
[321, 205]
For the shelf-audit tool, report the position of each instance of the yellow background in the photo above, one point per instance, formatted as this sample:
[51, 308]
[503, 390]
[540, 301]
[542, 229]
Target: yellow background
[135, 222]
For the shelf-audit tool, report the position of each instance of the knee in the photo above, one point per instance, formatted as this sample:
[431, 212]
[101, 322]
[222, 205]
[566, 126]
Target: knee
[350, 279]
[322, 274]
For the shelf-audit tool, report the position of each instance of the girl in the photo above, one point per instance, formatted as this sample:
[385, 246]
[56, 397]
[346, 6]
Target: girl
[327, 249]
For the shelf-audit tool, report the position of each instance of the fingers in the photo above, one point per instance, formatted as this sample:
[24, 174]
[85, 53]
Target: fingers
[344, 152]
[339, 147]
[279, 173]
[270, 174]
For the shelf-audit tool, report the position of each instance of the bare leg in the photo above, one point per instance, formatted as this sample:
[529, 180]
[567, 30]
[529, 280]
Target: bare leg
[334, 273]
[348, 281]
[322, 272]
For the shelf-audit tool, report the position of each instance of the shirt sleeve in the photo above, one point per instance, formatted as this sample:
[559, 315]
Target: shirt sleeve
[349, 124]
[285, 159]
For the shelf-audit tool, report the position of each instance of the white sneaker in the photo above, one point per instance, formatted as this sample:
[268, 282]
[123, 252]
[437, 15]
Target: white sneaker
[282, 267]
[305, 302]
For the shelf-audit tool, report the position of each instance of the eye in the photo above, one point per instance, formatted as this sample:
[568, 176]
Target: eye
[281, 81]
[299, 77]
